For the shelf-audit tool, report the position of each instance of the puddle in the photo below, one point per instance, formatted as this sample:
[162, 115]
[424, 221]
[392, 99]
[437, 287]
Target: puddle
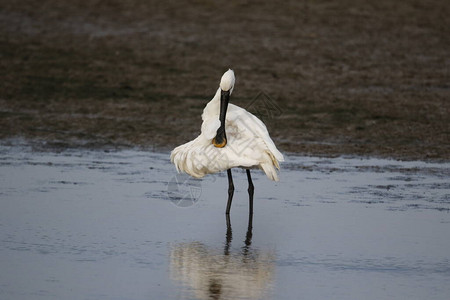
[123, 225]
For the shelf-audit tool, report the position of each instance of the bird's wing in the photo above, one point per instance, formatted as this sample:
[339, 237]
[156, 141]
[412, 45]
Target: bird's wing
[252, 128]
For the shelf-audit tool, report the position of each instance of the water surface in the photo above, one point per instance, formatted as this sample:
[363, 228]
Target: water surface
[123, 225]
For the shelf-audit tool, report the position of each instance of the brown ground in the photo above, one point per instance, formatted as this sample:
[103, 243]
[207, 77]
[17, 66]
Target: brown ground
[349, 77]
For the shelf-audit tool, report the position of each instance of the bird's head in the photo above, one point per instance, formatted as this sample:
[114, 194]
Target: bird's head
[227, 81]
[226, 87]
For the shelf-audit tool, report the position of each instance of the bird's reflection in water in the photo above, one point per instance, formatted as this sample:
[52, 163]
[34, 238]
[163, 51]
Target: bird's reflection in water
[213, 273]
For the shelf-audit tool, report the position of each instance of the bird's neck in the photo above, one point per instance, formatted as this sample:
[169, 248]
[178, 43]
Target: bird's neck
[213, 106]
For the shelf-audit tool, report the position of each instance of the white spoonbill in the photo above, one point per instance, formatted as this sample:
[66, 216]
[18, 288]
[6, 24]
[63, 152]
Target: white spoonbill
[230, 137]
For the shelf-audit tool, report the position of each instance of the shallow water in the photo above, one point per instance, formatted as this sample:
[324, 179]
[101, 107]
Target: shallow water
[123, 225]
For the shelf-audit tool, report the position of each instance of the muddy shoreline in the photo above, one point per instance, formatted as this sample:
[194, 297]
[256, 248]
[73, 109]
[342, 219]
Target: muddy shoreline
[347, 78]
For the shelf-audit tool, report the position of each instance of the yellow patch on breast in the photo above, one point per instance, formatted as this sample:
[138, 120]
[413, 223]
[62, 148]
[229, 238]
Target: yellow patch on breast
[219, 145]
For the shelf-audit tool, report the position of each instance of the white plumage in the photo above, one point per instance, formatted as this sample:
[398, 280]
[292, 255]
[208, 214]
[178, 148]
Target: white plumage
[248, 142]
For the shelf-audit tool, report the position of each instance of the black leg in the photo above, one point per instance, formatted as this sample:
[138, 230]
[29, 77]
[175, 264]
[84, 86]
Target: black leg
[230, 191]
[229, 236]
[248, 237]
[251, 190]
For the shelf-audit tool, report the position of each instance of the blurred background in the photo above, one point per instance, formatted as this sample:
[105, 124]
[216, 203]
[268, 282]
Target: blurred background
[347, 77]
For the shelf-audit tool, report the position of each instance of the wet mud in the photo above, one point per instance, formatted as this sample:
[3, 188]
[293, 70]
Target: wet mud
[327, 77]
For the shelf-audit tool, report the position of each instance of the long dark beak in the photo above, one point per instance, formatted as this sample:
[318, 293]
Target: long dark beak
[221, 139]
